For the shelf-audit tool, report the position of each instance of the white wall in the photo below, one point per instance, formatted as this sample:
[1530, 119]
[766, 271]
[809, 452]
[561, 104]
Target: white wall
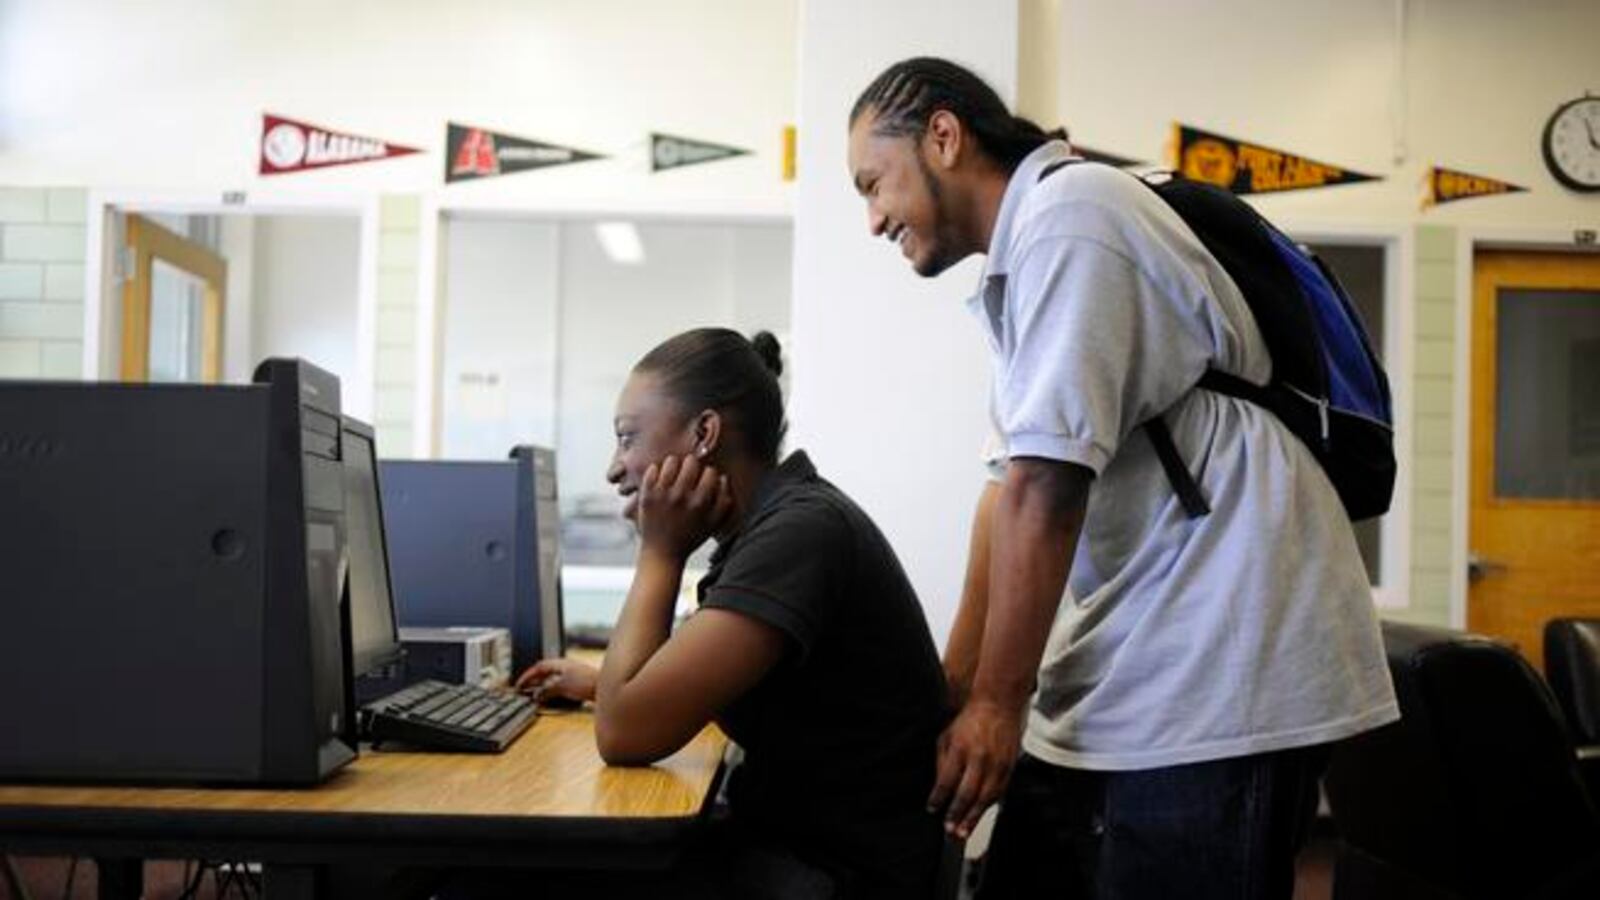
[890, 376]
[237, 245]
[1471, 90]
[303, 299]
[169, 93]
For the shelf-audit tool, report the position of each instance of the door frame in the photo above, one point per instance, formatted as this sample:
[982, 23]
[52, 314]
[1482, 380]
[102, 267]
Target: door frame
[148, 241]
[101, 339]
[1469, 242]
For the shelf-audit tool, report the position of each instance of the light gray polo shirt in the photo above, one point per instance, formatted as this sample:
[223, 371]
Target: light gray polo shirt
[1248, 630]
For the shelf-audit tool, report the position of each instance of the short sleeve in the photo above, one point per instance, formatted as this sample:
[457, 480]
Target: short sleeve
[1099, 349]
[993, 455]
[787, 570]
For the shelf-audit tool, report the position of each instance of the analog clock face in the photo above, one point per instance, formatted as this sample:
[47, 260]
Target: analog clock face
[1572, 144]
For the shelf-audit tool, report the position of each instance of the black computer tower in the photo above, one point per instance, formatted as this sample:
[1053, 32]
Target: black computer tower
[477, 543]
[170, 581]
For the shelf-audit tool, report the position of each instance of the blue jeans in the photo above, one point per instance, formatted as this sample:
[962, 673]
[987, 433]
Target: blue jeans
[1224, 829]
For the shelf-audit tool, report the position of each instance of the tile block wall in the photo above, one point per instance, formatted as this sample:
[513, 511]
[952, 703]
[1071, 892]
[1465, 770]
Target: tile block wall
[1432, 419]
[42, 249]
[398, 255]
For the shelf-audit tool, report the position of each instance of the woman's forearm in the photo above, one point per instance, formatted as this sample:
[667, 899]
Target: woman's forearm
[644, 625]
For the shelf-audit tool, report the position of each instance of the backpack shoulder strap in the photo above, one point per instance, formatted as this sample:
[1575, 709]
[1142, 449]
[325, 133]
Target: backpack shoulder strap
[1058, 165]
[1183, 483]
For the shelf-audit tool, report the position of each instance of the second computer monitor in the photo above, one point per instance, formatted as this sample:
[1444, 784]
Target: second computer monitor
[374, 638]
[477, 543]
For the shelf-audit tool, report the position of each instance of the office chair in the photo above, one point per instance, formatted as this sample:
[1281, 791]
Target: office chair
[1572, 666]
[1475, 793]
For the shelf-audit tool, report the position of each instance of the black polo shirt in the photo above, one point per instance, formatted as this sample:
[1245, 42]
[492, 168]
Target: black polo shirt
[839, 738]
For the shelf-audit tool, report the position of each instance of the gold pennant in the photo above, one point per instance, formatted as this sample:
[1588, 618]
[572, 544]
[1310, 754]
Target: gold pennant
[1247, 168]
[1448, 185]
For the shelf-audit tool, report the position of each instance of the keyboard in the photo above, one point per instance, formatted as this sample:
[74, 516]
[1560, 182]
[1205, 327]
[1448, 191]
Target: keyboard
[437, 716]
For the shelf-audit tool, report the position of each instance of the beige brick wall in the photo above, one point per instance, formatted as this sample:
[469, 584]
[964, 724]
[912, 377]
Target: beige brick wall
[398, 255]
[42, 249]
[1432, 419]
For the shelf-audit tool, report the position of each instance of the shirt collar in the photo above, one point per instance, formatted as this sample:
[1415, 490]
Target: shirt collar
[794, 469]
[985, 303]
[1023, 180]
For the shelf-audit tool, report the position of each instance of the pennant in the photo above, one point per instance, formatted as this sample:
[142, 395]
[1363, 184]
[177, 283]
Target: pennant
[288, 145]
[480, 153]
[1448, 185]
[1100, 156]
[669, 152]
[1246, 168]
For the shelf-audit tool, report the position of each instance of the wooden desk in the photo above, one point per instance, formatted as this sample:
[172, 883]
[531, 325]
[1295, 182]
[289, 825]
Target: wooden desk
[548, 800]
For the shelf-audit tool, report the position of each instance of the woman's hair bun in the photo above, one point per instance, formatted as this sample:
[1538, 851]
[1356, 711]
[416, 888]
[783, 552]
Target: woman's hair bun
[771, 353]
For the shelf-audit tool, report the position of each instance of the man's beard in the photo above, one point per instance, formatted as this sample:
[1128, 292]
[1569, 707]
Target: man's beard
[943, 240]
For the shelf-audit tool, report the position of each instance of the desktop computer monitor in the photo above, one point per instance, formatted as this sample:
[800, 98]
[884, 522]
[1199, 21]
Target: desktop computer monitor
[171, 602]
[375, 648]
[478, 543]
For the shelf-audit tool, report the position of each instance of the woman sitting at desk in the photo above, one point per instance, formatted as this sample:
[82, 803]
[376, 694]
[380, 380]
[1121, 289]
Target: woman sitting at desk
[809, 647]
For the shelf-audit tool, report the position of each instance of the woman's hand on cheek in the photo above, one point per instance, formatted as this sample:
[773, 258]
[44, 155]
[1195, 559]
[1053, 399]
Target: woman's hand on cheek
[682, 502]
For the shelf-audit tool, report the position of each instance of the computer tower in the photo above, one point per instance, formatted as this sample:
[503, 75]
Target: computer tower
[477, 543]
[171, 563]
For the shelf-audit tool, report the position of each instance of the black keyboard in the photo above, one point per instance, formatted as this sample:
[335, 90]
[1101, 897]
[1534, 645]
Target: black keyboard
[437, 716]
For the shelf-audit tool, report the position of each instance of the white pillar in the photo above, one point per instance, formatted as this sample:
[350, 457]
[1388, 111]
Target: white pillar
[891, 375]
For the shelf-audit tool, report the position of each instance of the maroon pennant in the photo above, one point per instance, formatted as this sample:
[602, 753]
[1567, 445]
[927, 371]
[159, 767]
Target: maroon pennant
[288, 145]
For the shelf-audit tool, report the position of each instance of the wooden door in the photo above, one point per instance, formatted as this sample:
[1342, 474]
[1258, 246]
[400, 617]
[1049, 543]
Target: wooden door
[1534, 531]
[172, 306]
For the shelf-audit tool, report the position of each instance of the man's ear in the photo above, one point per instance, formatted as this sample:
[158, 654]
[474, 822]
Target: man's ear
[944, 139]
[707, 433]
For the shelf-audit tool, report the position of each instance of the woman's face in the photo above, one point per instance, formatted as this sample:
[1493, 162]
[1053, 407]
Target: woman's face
[650, 427]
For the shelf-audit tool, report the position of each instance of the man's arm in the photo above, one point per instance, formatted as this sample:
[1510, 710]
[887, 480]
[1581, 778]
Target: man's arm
[1037, 519]
[966, 635]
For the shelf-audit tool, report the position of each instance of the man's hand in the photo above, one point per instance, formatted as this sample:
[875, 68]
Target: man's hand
[682, 502]
[1036, 519]
[976, 755]
[565, 678]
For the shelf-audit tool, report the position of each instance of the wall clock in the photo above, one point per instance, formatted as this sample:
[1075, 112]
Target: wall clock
[1572, 144]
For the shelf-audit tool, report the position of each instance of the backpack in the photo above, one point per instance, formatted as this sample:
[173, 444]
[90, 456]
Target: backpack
[1327, 385]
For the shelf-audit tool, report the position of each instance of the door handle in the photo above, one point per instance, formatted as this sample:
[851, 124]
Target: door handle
[1479, 568]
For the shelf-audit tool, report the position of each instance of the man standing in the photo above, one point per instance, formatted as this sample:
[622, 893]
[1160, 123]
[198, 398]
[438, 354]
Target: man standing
[1184, 694]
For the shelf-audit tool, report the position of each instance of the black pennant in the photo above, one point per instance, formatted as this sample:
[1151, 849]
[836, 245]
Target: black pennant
[480, 153]
[671, 152]
[1246, 168]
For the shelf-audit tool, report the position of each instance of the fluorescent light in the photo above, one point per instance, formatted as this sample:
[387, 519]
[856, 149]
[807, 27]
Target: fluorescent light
[621, 242]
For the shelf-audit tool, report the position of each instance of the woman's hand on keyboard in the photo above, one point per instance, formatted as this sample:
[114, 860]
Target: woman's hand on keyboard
[564, 678]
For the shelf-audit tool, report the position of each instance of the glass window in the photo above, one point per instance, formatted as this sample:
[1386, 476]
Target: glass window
[1547, 409]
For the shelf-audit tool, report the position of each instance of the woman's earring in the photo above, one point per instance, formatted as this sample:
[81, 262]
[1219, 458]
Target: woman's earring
[701, 452]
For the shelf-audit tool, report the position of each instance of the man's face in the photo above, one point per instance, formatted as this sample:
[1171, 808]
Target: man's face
[905, 196]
